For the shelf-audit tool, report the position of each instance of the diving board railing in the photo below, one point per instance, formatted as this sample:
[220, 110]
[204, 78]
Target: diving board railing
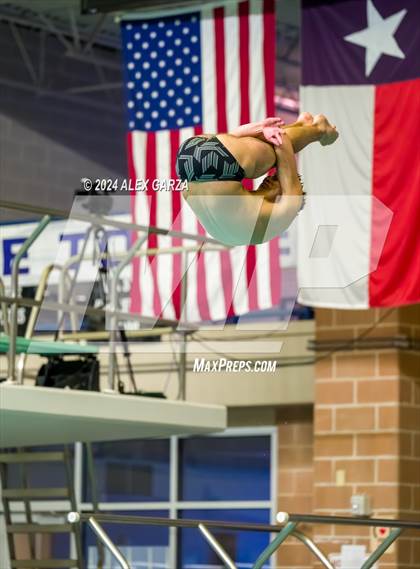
[11, 367]
[3, 308]
[288, 527]
[97, 222]
[135, 251]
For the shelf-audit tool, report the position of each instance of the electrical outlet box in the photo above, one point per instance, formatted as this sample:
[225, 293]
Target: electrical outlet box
[360, 505]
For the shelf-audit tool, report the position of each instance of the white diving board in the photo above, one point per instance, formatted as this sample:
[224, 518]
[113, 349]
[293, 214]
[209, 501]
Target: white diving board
[42, 416]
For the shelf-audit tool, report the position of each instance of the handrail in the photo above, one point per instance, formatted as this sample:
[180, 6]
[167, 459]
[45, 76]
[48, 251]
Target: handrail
[149, 252]
[299, 518]
[103, 220]
[30, 326]
[101, 335]
[11, 368]
[3, 307]
[61, 307]
[64, 274]
[152, 252]
[90, 310]
[287, 527]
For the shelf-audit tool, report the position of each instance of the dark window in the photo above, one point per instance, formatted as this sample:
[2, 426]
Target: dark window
[130, 471]
[225, 468]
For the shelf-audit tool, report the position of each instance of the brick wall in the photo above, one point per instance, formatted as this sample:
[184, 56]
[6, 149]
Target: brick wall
[367, 428]
[295, 477]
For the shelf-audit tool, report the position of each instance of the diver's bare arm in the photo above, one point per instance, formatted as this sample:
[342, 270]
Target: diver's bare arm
[286, 169]
[276, 216]
[255, 129]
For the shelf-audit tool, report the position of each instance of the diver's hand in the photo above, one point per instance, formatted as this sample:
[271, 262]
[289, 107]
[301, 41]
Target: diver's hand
[272, 130]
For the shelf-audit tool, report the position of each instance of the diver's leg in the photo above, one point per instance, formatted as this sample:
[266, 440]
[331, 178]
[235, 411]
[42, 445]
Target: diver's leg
[319, 131]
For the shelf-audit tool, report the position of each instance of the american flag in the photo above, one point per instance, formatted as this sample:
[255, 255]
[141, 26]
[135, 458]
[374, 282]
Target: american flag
[207, 71]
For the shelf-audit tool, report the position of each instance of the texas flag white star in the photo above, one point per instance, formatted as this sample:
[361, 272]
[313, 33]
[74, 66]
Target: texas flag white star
[378, 37]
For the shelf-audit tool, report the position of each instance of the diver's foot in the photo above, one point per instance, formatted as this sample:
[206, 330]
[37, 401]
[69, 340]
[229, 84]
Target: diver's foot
[305, 119]
[328, 132]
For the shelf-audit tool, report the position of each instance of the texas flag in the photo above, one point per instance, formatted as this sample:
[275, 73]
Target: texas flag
[359, 239]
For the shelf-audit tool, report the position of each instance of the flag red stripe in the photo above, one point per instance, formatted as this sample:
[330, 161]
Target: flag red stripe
[151, 174]
[202, 294]
[396, 183]
[269, 50]
[135, 296]
[251, 275]
[177, 226]
[219, 41]
[245, 118]
[222, 126]
[244, 61]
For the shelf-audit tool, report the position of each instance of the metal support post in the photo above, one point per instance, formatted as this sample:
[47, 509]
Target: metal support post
[182, 363]
[216, 546]
[76, 259]
[275, 544]
[113, 306]
[314, 548]
[182, 367]
[33, 316]
[4, 311]
[382, 548]
[104, 537]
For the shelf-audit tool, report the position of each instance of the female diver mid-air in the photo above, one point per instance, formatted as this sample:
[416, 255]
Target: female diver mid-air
[215, 165]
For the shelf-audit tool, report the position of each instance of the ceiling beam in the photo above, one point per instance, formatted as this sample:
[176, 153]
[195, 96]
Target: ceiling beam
[54, 30]
[24, 53]
[75, 30]
[38, 24]
[94, 33]
[94, 88]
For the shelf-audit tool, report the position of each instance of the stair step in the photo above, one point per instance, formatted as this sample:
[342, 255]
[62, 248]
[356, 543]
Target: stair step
[39, 528]
[43, 563]
[35, 493]
[18, 457]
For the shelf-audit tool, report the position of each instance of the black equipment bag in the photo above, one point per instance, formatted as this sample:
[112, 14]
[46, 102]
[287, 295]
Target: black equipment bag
[74, 374]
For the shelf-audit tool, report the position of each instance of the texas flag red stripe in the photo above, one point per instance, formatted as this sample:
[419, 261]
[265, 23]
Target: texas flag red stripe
[396, 183]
